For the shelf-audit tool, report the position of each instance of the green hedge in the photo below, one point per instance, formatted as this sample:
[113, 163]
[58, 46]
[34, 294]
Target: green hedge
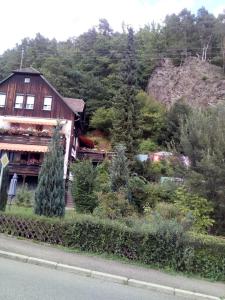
[196, 254]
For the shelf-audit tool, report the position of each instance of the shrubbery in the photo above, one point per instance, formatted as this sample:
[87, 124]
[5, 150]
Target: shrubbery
[83, 186]
[113, 205]
[24, 197]
[164, 245]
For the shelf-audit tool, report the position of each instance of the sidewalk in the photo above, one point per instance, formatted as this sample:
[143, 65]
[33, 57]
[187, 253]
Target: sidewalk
[43, 251]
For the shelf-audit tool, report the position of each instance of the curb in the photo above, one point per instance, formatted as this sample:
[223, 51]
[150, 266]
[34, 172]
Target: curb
[109, 277]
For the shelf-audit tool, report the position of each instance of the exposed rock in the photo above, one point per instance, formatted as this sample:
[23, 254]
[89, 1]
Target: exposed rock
[197, 82]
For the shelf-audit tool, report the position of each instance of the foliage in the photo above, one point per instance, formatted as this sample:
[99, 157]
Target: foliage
[87, 66]
[83, 186]
[199, 207]
[152, 171]
[24, 197]
[113, 205]
[3, 191]
[102, 119]
[138, 192]
[50, 192]
[157, 193]
[119, 172]
[102, 183]
[176, 117]
[203, 141]
[152, 116]
[126, 107]
[166, 245]
[146, 146]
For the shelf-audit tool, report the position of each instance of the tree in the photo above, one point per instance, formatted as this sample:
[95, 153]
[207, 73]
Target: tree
[50, 193]
[83, 186]
[176, 116]
[127, 111]
[152, 116]
[119, 173]
[102, 119]
[203, 141]
[3, 191]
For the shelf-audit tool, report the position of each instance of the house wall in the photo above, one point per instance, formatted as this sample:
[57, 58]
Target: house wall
[37, 87]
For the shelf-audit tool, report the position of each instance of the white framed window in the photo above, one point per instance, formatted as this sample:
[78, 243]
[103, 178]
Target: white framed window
[47, 103]
[30, 102]
[2, 99]
[27, 80]
[19, 101]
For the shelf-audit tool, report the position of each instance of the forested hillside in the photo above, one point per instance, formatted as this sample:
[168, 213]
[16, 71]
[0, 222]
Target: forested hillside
[88, 66]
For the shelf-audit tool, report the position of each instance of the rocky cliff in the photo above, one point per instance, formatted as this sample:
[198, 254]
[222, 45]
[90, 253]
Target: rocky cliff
[197, 82]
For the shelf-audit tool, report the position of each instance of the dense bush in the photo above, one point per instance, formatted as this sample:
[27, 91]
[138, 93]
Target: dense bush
[102, 119]
[199, 207]
[113, 205]
[164, 245]
[24, 197]
[83, 186]
[138, 192]
[147, 145]
[153, 171]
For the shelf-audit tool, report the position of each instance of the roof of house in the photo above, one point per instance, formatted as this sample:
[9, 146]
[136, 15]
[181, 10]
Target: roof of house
[29, 70]
[76, 105]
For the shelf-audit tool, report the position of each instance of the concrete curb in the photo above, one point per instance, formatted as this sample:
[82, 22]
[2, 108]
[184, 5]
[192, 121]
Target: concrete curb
[109, 277]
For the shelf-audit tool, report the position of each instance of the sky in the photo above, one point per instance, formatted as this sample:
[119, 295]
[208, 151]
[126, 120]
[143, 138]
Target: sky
[62, 19]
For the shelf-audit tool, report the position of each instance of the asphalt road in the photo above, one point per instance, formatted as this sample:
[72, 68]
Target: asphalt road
[21, 281]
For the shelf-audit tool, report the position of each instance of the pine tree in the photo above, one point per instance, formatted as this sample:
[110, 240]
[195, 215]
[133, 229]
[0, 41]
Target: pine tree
[3, 191]
[126, 120]
[50, 193]
[119, 173]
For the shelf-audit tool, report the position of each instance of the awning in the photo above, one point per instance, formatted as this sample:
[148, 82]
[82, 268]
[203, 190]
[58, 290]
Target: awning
[36, 121]
[23, 148]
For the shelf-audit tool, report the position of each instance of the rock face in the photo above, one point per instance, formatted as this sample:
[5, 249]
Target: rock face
[198, 83]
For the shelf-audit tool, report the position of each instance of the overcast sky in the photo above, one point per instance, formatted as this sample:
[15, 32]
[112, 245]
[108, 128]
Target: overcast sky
[62, 19]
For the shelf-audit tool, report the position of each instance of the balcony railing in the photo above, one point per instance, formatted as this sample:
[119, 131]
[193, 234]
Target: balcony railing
[94, 155]
[25, 139]
[24, 169]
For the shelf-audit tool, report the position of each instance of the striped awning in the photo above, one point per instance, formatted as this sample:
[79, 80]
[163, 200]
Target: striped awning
[23, 148]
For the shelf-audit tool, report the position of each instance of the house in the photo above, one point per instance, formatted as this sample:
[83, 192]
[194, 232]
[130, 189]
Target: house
[30, 107]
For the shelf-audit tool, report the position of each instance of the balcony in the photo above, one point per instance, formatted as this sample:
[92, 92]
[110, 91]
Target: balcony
[24, 169]
[25, 139]
[94, 155]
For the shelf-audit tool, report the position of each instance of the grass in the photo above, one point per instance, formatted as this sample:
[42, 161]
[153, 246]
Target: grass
[28, 211]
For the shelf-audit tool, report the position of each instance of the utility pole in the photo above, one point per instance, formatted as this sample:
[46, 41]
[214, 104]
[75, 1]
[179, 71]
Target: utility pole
[223, 49]
[22, 56]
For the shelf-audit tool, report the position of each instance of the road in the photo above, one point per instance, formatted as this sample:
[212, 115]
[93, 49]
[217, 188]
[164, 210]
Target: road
[21, 281]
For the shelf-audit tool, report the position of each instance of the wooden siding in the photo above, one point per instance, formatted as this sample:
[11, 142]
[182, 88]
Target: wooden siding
[24, 169]
[28, 140]
[38, 88]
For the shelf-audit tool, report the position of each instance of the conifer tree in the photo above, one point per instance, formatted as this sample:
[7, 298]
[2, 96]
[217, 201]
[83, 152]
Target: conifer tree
[50, 193]
[83, 186]
[127, 111]
[119, 173]
[3, 191]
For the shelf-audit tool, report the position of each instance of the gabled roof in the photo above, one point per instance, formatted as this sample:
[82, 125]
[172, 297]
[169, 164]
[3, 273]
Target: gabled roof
[29, 70]
[76, 105]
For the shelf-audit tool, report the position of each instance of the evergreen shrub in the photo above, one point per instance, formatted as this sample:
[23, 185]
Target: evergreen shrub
[164, 245]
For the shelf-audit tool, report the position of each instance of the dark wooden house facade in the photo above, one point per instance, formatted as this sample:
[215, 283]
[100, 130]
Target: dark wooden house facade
[29, 109]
